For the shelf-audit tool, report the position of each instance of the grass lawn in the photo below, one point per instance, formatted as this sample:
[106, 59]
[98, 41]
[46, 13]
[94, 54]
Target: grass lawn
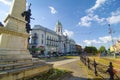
[89, 73]
[106, 60]
[53, 74]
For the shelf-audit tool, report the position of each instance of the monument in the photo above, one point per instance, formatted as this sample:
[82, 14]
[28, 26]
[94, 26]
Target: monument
[13, 37]
[15, 59]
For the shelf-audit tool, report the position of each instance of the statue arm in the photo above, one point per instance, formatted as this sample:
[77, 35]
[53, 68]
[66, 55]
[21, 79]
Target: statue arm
[23, 14]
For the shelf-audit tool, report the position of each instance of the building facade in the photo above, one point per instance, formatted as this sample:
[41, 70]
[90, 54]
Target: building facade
[51, 41]
[78, 49]
[116, 47]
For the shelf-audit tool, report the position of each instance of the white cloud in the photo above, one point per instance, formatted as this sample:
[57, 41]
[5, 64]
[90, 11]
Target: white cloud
[27, 4]
[90, 42]
[3, 12]
[68, 33]
[115, 17]
[87, 20]
[98, 4]
[6, 2]
[87, 42]
[100, 40]
[53, 10]
[117, 12]
[99, 20]
[105, 39]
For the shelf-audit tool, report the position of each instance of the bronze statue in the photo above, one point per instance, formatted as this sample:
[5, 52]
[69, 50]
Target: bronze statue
[27, 15]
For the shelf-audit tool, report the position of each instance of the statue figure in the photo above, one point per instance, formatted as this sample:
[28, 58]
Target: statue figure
[28, 28]
[27, 15]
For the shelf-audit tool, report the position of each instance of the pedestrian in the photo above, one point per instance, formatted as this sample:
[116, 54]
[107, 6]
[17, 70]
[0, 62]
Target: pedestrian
[110, 71]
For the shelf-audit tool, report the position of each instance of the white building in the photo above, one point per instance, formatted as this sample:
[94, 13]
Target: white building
[51, 41]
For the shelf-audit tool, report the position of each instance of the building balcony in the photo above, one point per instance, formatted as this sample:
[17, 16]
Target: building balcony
[34, 37]
[49, 39]
[34, 44]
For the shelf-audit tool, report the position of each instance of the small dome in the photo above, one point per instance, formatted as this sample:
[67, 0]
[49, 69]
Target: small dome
[58, 23]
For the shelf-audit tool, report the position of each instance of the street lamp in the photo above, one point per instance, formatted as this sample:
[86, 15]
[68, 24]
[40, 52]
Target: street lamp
[110, 32]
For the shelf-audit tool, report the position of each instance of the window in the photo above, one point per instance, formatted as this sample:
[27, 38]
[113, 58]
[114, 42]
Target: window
[59, 29]
[42, 36]
[47, 37]
[42, 41]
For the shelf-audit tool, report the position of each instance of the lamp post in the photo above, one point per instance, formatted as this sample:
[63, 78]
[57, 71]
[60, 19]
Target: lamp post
[111, 32]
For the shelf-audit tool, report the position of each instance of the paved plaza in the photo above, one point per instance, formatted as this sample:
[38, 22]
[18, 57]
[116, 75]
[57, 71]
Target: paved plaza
[71, 65]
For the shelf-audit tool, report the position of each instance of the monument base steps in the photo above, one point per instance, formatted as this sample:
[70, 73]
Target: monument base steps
[20, 69]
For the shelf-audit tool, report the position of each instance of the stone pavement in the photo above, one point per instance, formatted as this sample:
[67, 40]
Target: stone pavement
[72, 65]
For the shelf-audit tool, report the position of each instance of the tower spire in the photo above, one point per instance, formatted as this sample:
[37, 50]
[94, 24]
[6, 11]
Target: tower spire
[58, 28]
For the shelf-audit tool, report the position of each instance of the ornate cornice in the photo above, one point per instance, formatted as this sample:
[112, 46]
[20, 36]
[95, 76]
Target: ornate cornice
[6, 31]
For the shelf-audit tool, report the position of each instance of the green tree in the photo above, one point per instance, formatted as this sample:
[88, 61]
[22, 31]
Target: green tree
[90, 49]
[102, 49]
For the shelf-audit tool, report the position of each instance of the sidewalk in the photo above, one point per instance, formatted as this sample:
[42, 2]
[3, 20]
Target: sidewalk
[62, 62]
[73, 65]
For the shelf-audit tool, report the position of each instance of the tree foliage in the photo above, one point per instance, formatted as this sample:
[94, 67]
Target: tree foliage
[90, 49]
[102, 49]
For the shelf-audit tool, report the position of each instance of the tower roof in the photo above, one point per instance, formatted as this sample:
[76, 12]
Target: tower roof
[58, 23]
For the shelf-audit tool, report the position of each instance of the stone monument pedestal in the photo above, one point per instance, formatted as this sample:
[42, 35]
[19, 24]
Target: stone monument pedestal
[16, 62]
[13, 36]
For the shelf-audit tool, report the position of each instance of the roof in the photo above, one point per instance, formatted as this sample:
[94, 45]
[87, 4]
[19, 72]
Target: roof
[58, 23]
[39, 27]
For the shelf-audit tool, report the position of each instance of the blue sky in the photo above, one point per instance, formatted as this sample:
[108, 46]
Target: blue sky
[85, 21]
